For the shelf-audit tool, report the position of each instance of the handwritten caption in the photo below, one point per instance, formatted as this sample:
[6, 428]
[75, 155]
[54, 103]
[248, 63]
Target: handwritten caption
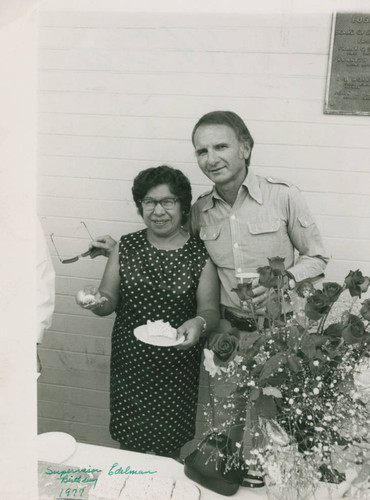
[77, 476]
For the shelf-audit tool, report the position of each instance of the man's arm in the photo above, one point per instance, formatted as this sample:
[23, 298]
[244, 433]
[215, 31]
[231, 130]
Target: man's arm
[193, 222]
[305, 237]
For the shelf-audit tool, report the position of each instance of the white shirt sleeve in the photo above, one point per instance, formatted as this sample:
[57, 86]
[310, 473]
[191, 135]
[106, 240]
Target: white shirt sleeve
[45, 278]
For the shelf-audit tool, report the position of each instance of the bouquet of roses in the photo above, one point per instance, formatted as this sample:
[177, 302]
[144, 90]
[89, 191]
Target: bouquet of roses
[298, 381]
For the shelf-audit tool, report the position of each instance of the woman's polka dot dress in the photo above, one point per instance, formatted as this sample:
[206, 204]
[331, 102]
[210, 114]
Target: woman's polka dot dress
[154, 389]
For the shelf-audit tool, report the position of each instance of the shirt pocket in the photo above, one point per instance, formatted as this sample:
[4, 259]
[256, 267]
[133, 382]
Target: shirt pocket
[209, 233]
[216, 247]
[265, 237]
[306, 220]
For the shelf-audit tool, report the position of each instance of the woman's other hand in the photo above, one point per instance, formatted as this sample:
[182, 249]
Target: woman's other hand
[90, 298]
[191, 330]
[102, 245]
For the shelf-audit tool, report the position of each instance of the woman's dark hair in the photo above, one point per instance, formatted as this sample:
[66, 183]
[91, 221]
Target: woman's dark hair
[230, 119]
[177, 182]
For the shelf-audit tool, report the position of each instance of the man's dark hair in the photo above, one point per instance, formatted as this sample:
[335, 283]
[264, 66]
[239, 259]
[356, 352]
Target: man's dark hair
[177, 182]
[230, 119]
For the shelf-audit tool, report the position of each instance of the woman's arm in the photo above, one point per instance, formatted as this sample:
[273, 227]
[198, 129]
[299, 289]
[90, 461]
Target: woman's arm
[107, 296]
[208, 308]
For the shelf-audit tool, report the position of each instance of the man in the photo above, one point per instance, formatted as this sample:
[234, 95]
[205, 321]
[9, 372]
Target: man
[246, 219]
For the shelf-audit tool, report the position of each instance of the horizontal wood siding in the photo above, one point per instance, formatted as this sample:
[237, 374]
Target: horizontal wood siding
[121, 92]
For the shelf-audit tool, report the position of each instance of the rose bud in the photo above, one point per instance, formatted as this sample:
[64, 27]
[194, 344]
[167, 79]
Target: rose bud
[244, 290]
[332, 290]
[277, 265]
[365, 309]
[354, 332]
[267, 277]
[317, 305]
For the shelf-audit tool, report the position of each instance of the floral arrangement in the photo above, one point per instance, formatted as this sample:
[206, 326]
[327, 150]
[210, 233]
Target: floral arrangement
[299, 384]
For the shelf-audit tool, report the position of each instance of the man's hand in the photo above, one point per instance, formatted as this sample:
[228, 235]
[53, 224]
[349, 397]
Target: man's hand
[192, 330]
[260, 298]
[102, 245]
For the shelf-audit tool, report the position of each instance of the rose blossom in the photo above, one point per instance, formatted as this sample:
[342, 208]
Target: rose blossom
[225, 346]
[267, 277]
[317, 305]
[357, 283]
[354, 330]
[332, 290]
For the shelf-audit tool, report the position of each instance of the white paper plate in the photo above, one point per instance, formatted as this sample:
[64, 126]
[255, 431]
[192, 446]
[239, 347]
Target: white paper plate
[141, 333]
[55, 446]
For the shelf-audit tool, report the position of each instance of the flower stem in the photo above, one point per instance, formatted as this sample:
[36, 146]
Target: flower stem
[322, 322]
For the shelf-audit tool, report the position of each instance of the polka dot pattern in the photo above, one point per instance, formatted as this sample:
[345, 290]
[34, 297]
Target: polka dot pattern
[154, 389]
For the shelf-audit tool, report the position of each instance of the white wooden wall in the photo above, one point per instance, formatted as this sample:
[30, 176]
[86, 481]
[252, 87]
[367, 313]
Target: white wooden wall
[121, 92]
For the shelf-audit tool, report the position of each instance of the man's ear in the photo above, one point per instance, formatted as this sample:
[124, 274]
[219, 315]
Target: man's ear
[245, 151]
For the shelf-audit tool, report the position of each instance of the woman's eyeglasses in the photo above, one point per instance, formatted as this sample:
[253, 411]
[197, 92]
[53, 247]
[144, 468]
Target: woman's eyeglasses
[72, 259]
[166, 203]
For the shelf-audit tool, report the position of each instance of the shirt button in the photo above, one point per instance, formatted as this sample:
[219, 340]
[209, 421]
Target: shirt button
[236, 245]
[232, 217]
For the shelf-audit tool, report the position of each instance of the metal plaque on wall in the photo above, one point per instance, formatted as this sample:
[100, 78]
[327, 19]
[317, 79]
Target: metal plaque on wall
[348, 81]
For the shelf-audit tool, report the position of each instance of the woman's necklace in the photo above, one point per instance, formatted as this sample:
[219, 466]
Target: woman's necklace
[173, 243]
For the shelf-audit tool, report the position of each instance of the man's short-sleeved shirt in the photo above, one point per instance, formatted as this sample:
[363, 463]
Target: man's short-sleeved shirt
[269, 218]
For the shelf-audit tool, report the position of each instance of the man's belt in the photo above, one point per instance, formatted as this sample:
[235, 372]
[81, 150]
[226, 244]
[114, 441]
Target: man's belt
[239, 322]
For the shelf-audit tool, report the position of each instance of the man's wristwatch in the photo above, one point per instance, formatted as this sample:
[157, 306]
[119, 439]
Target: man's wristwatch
[289, 280]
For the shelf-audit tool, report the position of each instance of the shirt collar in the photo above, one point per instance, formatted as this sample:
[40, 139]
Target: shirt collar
[210, 202]
[250, 182]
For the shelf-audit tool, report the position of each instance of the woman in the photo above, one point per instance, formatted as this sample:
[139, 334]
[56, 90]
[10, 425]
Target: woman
[158, 273]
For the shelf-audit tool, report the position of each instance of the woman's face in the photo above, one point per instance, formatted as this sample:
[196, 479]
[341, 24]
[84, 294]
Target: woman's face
[163, 222]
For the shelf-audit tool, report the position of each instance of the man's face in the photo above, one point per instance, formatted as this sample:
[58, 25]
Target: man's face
[220, 154]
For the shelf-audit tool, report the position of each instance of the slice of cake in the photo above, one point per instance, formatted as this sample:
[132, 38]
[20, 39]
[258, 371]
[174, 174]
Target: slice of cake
[108, 487]
[160, 328]
[147, 488]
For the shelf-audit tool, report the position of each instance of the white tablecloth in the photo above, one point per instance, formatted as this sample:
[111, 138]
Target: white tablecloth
[100, 457]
